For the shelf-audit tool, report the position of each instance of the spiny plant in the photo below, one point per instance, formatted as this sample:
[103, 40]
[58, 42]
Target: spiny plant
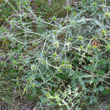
[63, 62]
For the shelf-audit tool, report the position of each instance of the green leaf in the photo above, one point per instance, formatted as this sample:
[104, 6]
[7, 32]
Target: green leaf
[99, 72]
[48, 95]
[106, 92]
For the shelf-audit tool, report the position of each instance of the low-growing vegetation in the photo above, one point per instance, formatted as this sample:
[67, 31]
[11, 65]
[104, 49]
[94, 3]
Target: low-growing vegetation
[56, 55]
